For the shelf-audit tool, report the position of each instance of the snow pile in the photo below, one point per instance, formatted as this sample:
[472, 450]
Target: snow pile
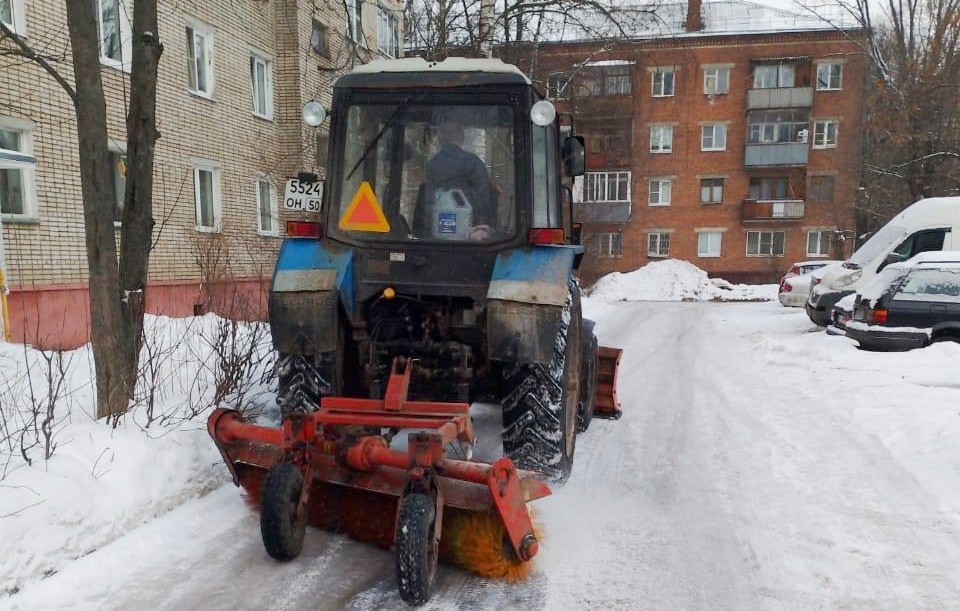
[99, 482]
[675, 280]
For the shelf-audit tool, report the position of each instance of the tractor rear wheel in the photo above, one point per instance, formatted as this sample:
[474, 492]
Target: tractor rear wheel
[540, 403]
[416, 548]
[303, 380]
[281, 528]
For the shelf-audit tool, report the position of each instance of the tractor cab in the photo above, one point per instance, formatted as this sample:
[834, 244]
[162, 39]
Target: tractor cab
[460, 154]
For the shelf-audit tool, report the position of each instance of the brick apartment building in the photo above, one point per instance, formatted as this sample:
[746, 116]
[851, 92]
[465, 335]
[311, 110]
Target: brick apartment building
[729, 138]
[233, 79]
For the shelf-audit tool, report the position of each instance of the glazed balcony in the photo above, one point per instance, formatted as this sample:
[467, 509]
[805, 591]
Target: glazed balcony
[772, 210]
[781, 97]
[774, 154]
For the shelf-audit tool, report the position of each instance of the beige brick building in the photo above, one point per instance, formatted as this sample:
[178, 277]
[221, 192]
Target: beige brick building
[233, 79]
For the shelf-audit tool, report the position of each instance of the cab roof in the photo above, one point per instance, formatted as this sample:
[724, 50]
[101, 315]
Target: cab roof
[416, 71]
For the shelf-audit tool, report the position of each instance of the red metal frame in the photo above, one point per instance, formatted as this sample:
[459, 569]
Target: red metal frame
[322, 445]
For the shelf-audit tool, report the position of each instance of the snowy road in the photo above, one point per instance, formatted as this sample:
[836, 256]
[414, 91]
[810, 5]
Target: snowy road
[757, 466]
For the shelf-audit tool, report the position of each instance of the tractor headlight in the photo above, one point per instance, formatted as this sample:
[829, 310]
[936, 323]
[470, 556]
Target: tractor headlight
[543, 113]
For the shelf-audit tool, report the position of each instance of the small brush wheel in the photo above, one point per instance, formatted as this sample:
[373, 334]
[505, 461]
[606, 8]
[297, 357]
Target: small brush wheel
[282, 529]
[416, 549]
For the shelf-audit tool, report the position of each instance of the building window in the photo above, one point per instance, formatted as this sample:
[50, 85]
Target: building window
[12, 15]
[708, 243]
[716, 80]
[603, 187]
[557, 85]
[773, 76]
[610, 245]
[610, 142]
[320, 39]
[660, 192]
[118, 167]
[200, 60]
[388, 32]
[206, 196]
[266, 207]
[818, 243]
[17, 164]
[711, 190]
[777, 126]
[713, 137]
[661, 138]
[662, 82]
[829, 76]
[765, 243]
[261, 86]
[617, 84]
[354, 29]
[769, 187]
[825, 134]
[609, 80]
[658, 244]
[821, 189]
[113, 27]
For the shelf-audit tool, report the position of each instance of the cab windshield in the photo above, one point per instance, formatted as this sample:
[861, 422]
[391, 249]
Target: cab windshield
[436, 173]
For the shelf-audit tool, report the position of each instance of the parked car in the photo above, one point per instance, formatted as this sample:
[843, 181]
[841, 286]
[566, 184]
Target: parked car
[927, 225]
[795, 284]
[840, 314]
[910, 304]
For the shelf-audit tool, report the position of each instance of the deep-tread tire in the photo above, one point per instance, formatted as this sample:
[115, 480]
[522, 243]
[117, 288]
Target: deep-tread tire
[416, 548]
[303, 380]
[540, 402]
[588, 384]
[282, 531]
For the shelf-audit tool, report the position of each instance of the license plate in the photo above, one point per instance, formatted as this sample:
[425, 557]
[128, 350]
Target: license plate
[303, 196]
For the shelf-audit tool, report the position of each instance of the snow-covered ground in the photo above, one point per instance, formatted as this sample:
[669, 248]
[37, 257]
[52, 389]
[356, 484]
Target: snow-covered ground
[758, 465]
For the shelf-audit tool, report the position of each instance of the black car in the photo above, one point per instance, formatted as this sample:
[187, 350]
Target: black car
[911, 305]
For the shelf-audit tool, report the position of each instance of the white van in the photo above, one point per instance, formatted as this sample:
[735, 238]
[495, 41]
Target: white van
[929, 224]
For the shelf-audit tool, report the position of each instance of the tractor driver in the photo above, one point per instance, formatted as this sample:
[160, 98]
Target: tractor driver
[452, 167]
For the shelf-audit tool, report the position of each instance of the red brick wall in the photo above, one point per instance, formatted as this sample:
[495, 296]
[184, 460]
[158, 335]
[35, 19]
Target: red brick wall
[687, 109]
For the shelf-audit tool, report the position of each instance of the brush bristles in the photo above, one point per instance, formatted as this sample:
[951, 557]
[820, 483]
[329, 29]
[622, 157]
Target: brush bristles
[478, 543]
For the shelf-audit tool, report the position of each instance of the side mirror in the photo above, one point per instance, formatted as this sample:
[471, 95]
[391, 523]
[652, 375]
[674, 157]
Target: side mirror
[573, 155]
[893, 257]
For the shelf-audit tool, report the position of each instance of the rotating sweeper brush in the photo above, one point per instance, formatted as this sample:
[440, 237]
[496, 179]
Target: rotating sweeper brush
[335, 470]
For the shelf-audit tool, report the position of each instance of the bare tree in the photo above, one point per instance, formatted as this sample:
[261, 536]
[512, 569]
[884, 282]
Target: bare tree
[911, 125]
[436, 29]
[117, 285]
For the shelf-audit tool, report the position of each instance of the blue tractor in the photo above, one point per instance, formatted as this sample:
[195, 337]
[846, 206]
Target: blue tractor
[469, 279]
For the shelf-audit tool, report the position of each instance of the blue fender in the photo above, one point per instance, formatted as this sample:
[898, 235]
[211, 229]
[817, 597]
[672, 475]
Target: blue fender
[309, 283]
[525, 299]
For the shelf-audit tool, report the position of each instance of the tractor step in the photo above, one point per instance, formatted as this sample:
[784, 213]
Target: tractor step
[606, 404]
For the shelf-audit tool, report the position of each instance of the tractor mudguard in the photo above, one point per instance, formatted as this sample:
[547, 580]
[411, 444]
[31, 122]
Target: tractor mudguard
[525, 301]
[309, 283]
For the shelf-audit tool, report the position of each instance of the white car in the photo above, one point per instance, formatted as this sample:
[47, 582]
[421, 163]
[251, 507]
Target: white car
[795, 284]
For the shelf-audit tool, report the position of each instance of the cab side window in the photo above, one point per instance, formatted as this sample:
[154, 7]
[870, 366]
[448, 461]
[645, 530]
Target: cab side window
[922, 241]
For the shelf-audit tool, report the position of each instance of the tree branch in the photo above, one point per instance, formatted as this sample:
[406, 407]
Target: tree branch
[27, 52]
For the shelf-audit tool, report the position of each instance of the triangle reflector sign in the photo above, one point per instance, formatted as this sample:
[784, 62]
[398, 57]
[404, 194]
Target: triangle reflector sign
[364, 212]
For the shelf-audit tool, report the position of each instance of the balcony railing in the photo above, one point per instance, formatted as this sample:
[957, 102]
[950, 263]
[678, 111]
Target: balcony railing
[601, 212]
[784, 97]
[782, 153]
[772, 209]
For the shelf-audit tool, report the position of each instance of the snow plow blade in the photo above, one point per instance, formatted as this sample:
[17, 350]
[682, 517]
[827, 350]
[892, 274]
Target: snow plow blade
[334, 470]
[606, 404]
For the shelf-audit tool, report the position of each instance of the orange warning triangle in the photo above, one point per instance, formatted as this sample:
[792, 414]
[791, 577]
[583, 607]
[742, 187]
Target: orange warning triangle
[364, 212]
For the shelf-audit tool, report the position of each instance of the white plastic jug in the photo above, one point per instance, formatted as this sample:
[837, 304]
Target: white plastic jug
[452, 214]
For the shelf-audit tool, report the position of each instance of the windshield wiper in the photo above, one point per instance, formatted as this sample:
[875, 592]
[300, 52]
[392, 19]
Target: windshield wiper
[851, 265]
[393, 118]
